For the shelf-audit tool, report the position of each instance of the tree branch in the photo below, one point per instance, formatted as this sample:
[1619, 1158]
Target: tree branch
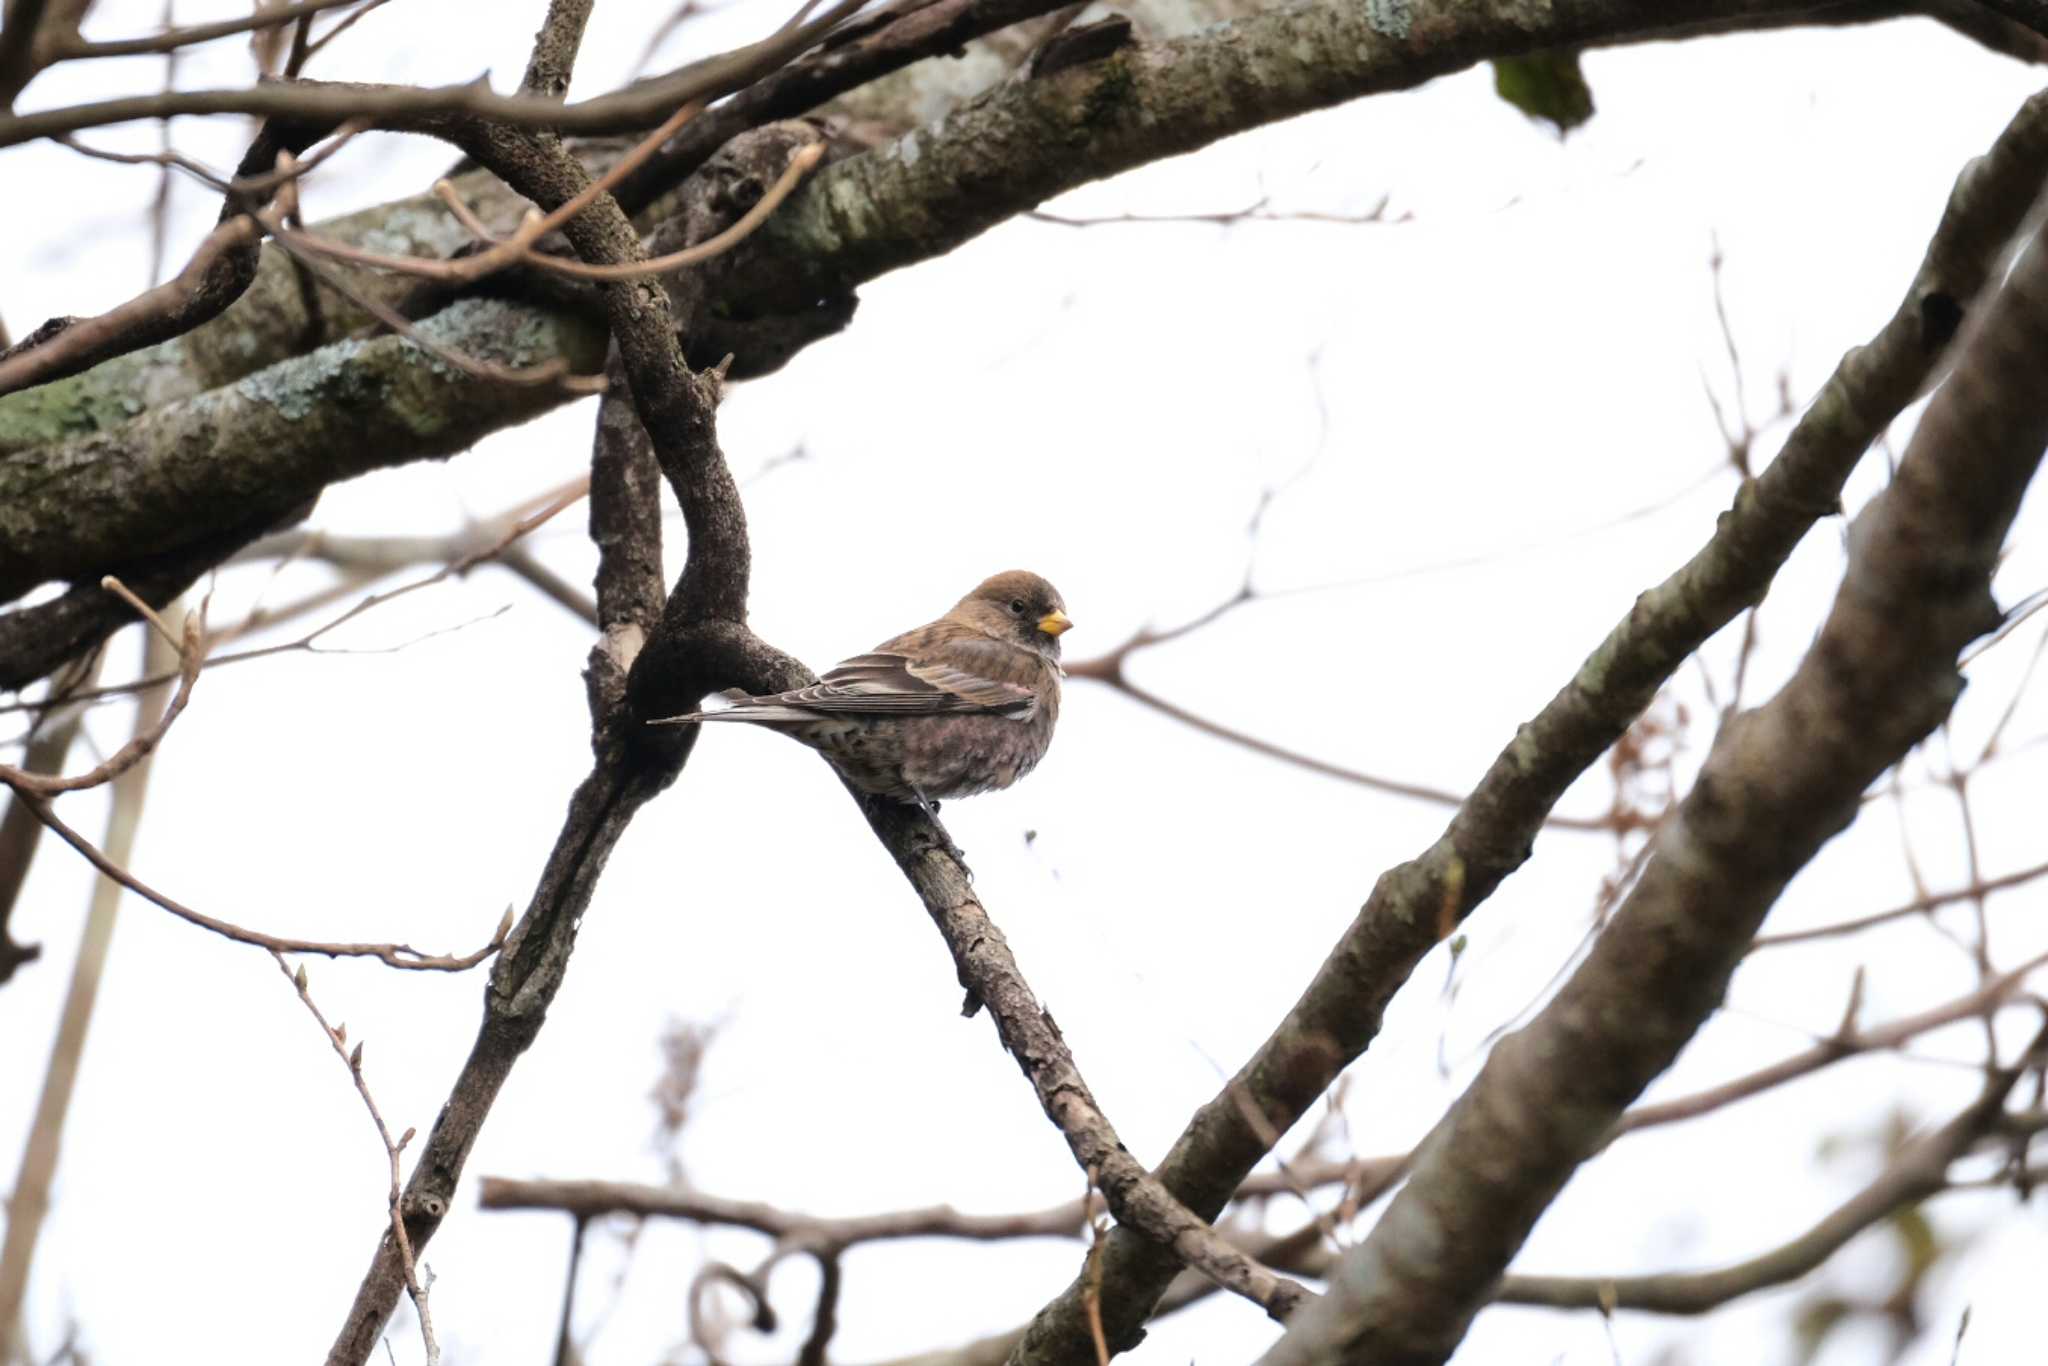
[676, 428]
[1779, 783]
[1416, 903]
[626, 111]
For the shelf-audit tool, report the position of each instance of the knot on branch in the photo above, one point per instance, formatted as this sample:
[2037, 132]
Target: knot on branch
[759, 329]
[733, 181]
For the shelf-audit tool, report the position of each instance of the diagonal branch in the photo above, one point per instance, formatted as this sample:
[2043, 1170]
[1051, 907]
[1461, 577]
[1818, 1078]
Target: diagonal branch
[990, 974]
[1414, 904]
[1779, 783]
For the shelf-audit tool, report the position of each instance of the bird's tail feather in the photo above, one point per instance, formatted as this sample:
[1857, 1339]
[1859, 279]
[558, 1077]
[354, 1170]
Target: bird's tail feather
[744, 708]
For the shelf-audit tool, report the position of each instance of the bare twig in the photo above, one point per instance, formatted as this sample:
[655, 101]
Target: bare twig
[191, 657]
[348, 21]
[1917, 1173]
[247, 186]
[463, 552]
[589, 1199]
[518, 249]
[392, 955]
[1919, 905]
[311, 101]
[172, 39]
[800, 165]
[352, 1059]
[554, 371]
[87, 341]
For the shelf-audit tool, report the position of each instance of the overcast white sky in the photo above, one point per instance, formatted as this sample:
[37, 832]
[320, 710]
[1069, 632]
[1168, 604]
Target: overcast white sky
[1502, 378]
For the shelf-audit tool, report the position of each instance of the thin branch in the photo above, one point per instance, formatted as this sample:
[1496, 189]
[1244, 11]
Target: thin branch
[337, 1039]
[391, 955]
[800, 165]
[1916, 1174]
[887, 39]
[349, 21]
[85, 342]
[170, 40]
[38, 787]
[553, 371]
[1392, 786]
[629, 110]
[501, 252]
[1919, 905]
[586, 1200]
[1847, 1042]
[248, 186]
[518, 249]
[990, 973]
[496, 539]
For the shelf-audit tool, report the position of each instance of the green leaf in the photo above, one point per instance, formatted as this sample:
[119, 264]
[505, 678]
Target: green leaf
[1547, 87]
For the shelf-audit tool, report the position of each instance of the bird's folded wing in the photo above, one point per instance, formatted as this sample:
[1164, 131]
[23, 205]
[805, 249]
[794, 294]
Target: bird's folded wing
[895, 685]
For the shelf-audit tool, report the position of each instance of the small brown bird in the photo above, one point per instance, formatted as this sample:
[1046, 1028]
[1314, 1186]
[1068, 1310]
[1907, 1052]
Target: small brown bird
[965, 704]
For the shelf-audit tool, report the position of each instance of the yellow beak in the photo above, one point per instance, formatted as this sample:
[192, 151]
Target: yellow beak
[1055, 622]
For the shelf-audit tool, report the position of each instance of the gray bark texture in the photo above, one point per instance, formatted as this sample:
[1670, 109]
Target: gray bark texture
[88, 464]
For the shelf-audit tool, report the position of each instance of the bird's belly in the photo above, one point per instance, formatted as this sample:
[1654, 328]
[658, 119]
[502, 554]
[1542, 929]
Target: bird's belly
[960, 756]
[869, 755]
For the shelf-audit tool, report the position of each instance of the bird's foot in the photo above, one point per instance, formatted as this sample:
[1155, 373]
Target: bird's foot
[953, 851]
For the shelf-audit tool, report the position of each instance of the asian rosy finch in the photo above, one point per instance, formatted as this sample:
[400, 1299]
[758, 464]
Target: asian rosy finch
[962, 705]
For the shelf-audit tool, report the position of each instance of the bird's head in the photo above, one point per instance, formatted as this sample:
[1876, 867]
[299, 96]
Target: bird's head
[1018, 607]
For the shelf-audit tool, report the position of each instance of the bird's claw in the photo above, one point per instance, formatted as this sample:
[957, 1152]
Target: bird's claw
[953, 851]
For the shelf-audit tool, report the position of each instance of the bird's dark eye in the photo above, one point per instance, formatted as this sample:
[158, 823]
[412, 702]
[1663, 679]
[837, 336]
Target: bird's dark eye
[1017, 607]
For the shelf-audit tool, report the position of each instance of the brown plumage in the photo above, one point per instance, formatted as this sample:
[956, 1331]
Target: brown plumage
[964, 704]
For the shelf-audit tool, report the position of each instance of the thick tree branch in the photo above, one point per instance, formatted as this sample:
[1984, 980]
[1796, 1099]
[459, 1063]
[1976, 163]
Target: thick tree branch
[35, 640]
[923, 195]
[1779, 783]
[272, 441]
[1416, 903]
[271, 324]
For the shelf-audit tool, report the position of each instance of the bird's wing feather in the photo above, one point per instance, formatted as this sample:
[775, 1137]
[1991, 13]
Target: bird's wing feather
[889, 684]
